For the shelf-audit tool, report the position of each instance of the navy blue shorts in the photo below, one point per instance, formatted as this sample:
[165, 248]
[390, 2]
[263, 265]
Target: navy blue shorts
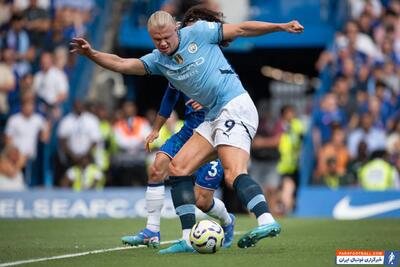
[209, 175]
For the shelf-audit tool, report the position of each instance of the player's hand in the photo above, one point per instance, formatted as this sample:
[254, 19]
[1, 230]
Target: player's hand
[80, 46]
[195, 105]
[150, 139]
[294, 27]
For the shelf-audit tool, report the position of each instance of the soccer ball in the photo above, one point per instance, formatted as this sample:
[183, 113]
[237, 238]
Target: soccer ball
[206, 236]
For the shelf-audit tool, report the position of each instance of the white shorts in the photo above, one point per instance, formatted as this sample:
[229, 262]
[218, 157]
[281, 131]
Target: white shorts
[235, 126]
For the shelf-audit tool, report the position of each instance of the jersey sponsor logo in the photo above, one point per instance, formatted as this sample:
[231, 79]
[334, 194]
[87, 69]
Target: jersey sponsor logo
[187, 71]
[192, 48]
[345, 211]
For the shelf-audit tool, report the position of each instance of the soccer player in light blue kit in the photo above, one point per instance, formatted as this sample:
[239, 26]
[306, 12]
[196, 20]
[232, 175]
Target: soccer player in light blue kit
[208, 177]
[192, 61]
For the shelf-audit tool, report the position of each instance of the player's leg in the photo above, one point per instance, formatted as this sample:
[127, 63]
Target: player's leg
[196, 151]
[155, 195]
[208, 179]
[234, 160]
[234, 130]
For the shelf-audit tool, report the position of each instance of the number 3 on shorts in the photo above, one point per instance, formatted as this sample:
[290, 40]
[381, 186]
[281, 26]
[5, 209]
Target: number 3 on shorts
[213, 171]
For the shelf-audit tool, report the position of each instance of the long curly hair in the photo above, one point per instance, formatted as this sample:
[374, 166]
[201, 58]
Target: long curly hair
[200, 12]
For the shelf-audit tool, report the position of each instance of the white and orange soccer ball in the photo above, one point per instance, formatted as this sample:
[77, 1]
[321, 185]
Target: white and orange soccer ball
[206, 236]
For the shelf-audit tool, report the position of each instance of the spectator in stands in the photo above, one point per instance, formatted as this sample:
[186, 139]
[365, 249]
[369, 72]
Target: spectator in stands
[56, 36]
[83, 176]
[371, 7]
[365, 24]
[378, 174]
[23, 129]
[8, 79]
[351, 176]
[379, 111]
[17, 39]
[105, 147]
[323, 120]
[128, 163]
[6, 7]
[37, 23]
[360, 45]
[390, 77]
[78, 134]
[51, 86]
[375, 138]
[333, 158]
[11, 162]
[345, 101]
[387, 28]
[289, 151]
[20, 69]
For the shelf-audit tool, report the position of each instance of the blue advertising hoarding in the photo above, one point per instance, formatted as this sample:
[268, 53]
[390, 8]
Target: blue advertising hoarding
[130, 203]
[347, 204]
[110, 203]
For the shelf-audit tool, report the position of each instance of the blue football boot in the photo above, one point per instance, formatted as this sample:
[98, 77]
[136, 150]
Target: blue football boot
[229, 232]
[144, 237]
[251, 238]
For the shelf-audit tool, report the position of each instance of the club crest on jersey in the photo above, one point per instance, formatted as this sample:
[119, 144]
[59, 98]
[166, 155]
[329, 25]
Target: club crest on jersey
[178, 58]
[192, 48]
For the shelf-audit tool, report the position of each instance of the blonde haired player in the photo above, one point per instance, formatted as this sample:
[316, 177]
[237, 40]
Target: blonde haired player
[192, 61]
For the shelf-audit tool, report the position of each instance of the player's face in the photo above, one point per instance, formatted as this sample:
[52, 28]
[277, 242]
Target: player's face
[165, 38]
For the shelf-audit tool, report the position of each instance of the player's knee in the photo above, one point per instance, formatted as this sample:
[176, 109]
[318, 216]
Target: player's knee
[177, 169]
[203, 203]
[231, 175]
[156, 174]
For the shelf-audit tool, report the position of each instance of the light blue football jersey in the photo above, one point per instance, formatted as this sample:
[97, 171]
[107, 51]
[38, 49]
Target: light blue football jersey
[198, 68]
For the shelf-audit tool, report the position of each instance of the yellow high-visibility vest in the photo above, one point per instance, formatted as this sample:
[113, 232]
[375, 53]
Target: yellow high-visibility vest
[84, 178]
[165, 134]
[377, 175]
[289, 147]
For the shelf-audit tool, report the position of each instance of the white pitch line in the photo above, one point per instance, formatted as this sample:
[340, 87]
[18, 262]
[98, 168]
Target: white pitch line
[83, 253]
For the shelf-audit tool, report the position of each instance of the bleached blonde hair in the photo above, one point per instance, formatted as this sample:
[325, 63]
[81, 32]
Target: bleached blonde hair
[160, 19]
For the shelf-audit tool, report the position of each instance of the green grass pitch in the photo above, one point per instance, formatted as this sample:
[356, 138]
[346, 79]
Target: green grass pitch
[303, 242]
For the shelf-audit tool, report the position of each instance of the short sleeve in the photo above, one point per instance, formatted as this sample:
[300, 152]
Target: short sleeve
[64, 128]
[211, 32]
[10, 129]
[149, 62]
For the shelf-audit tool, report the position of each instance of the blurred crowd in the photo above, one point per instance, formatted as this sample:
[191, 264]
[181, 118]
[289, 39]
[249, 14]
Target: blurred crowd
[35, 67]
[356, 127]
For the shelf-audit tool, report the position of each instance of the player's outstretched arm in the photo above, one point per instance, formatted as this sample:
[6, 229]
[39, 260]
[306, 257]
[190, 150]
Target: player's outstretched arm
[112, 62]
[257, 28]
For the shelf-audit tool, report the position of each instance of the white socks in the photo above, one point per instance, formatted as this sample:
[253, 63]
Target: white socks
[185, 235]
[265, 218]
[218, 211]
[154, 202]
